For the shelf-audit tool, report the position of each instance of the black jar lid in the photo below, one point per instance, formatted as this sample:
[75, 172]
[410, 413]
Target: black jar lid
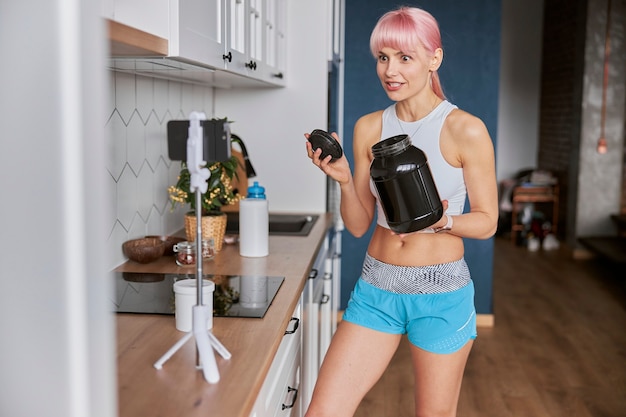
[322, 139]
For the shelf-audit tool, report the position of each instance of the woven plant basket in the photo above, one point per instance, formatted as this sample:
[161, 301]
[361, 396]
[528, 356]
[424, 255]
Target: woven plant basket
[212, 226]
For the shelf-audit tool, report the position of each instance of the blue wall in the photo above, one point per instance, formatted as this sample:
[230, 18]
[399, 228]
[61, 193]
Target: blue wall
[470, 74]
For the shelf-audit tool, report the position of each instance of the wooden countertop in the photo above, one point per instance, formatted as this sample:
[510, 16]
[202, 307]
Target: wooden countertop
[179, 389]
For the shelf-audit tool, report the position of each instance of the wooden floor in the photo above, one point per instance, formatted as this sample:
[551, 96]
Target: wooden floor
[558, 347]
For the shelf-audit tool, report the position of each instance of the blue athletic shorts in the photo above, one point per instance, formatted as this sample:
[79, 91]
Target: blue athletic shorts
[442, 322]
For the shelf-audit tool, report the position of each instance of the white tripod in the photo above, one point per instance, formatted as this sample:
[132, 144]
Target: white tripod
[205, 340]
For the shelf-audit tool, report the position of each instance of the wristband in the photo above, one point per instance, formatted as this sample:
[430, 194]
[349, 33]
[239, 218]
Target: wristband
[445, 228]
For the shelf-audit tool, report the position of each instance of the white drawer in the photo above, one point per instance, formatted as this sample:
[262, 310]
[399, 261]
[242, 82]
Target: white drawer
[290, 400]
[281, 372]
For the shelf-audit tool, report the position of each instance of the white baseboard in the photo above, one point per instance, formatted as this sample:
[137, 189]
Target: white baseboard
[485, 320]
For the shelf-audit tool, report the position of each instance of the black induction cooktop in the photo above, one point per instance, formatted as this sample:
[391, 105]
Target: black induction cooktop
[234, 295]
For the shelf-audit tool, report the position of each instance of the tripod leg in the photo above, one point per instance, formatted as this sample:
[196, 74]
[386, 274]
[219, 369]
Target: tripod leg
[218, 346]
[207, 357]
[159, 364]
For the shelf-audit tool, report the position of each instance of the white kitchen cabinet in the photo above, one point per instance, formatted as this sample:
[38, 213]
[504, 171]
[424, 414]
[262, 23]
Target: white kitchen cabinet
[255, 41]
[235, 53]
[326, 320]
[271, 121]
[151, 16]
[274, 40]
[243, 37]
[311, 304]
[319, 313]
[279, 395]
[289, 384]
[197, 33]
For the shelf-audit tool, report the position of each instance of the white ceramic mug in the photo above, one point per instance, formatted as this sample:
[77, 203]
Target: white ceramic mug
[185, 298]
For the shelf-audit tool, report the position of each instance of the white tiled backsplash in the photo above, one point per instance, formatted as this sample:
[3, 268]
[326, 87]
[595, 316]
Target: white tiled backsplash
[138, 165]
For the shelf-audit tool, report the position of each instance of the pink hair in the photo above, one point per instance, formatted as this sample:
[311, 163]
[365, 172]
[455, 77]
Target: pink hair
[404, 28]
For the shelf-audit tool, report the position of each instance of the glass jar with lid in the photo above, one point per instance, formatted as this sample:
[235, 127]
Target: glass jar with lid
[185, 252]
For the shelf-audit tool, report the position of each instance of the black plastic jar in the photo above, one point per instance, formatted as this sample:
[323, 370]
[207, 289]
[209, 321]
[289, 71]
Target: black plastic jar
[405, 185]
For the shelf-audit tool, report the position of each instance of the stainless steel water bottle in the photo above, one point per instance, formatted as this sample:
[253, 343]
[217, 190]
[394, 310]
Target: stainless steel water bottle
[405, 185]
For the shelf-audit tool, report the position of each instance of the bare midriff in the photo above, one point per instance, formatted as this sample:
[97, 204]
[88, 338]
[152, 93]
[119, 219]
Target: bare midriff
[415, 249]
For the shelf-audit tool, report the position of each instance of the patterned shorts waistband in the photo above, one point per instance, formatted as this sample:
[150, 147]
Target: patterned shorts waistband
[429, 279]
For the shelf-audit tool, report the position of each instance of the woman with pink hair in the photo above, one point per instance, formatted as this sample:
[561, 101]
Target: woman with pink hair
[417, 283]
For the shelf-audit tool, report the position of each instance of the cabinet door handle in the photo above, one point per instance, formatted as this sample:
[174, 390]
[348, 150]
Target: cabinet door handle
[325, 299]
[228, 57]
[251, 65]
[293, 400]
[295, 326]
[278, 75]
[313, 274]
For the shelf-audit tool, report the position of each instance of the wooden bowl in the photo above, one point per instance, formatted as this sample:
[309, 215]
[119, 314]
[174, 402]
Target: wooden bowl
[169, 242]
[144, 250]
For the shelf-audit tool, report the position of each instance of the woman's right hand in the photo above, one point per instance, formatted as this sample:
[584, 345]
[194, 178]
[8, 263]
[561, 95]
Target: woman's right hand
[339, 170]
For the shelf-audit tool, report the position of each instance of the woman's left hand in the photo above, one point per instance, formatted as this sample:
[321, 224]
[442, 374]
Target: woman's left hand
[339, 170]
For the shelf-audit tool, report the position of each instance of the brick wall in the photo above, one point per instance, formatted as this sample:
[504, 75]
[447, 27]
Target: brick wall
[561, 85]
[563, 65]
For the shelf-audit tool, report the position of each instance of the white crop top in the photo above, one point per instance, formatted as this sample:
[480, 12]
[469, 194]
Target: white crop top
[448, 179]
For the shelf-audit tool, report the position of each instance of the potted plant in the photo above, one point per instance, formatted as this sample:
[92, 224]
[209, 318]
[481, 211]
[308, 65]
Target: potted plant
[220, 192]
